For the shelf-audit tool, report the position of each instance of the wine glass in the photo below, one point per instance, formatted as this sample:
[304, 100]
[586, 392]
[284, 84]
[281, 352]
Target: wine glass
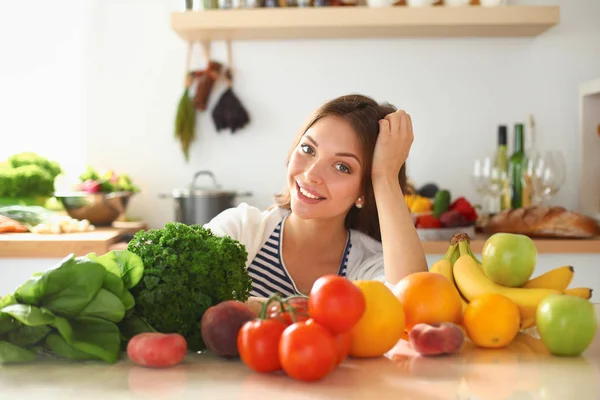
[480, 166]
[534, 177]
[553, 174]
[490, 183]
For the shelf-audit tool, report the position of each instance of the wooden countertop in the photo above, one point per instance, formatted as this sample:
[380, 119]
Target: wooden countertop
[30, 245]
[522, 370]
[544, 246]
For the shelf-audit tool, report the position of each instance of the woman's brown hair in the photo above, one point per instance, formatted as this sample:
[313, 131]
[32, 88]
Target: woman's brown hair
[363, 115]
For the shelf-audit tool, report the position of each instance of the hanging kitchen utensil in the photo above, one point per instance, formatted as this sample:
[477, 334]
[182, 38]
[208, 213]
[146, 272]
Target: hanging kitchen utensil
[185, 120]
[205, 80]
[229, 111]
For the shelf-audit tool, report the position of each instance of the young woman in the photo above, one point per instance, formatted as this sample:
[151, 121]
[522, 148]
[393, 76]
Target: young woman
[343, 211]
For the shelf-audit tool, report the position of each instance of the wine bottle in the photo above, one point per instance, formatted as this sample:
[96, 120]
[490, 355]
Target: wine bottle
[517, 166]
[501, 164]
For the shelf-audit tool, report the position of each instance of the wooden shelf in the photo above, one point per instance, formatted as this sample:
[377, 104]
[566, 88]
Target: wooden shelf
[363, 22]
[544, 246]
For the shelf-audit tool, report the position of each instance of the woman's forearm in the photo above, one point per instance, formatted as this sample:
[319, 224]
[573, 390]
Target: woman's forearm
[402, 249]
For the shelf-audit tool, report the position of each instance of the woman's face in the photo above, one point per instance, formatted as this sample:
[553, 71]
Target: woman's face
[325, 170]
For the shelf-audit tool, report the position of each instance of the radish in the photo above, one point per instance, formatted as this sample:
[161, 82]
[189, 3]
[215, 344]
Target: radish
[157, 350]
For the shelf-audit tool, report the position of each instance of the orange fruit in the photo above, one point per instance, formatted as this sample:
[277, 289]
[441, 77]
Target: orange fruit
[428, 297]
[492, 320]
[381, 325]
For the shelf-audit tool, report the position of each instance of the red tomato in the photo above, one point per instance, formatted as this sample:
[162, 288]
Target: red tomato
[307, 351]
[258, 344]
[299, 304]
[336, 303]
[343, 342]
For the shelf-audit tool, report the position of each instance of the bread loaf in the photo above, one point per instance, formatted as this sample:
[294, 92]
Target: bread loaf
[542, 221]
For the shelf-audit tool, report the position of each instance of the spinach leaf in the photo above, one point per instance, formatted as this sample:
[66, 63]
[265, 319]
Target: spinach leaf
[127, 265]
[104, 305]
[29, 315]
[133, 325]
[127, 299]
[31, 291]
[96, 336]
[9, 353]
[69, 288]
[61, 348]
[7, 301]
[7, 323]
[113, 283]
[64, 328]
[26, 336]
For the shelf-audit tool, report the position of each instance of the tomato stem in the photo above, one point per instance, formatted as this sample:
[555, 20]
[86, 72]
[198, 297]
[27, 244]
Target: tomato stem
[291, 309]
[274, 297]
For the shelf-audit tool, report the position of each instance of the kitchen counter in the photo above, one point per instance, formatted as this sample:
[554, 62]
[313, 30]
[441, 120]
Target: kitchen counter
[523, 370]
[544, 246]
[30, 245]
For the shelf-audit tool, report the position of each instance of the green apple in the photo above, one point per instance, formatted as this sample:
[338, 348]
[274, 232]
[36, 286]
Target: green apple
[509, 259]
[566, 324]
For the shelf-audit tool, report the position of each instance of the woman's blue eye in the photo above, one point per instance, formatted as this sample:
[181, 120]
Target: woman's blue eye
[306, 149]
[343, 168]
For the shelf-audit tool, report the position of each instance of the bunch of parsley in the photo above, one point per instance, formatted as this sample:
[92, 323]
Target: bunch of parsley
[187, 269]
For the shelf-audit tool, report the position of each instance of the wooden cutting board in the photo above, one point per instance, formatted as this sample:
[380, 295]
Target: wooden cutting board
[32, 245]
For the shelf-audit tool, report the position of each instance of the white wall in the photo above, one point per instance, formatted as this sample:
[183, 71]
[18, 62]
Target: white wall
[101, 85]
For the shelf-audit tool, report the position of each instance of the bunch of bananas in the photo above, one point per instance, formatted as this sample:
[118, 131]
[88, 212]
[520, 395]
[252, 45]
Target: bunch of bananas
[463, 269]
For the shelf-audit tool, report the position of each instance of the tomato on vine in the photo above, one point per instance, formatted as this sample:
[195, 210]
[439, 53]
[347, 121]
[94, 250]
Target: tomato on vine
[283, 310]
[307, 351]
[336, 303]
[258, 341]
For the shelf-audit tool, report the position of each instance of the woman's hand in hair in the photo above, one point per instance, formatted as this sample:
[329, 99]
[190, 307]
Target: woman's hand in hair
[393, 145]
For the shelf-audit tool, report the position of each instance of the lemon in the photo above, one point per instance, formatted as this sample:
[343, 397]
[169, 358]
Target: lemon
[381, 325]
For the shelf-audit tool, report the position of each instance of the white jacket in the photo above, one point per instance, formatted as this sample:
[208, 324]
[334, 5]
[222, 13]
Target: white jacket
[252, 227]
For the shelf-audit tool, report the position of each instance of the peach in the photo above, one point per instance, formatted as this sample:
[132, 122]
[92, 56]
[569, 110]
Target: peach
[436, 339]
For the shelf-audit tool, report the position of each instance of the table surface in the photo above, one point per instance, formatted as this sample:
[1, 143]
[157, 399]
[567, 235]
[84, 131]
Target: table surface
[523, 370]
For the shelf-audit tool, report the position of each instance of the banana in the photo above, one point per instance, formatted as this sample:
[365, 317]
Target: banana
[558, 278]
[472, 283]
[586, 293]
[473, 256]
[444, 267]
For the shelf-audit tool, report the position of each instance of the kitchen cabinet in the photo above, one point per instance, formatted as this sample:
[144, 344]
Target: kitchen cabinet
[363, 22]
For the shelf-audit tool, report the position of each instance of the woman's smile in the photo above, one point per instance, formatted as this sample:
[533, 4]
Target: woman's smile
[308, 195]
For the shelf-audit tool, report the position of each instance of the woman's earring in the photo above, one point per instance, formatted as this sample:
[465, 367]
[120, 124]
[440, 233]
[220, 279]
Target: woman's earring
[358, 203]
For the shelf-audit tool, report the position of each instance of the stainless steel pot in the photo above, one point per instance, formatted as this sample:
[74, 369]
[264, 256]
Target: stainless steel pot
[198, 205]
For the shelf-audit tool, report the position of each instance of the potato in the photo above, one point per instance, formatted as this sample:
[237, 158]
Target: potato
[157, 350]
[436, 339]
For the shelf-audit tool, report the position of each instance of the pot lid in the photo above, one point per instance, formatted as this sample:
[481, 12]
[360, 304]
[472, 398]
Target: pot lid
[202, 192]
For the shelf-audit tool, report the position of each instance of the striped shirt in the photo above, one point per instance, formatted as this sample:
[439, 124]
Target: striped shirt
[268, 272]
